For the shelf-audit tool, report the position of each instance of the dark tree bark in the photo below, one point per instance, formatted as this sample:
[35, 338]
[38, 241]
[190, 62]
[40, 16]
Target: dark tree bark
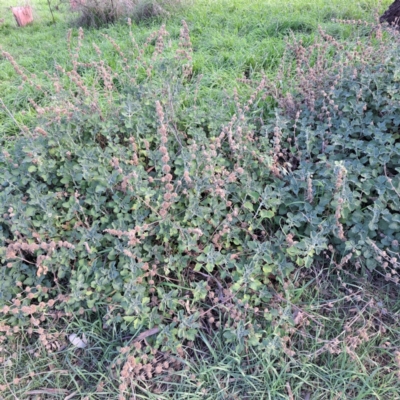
[392, 14]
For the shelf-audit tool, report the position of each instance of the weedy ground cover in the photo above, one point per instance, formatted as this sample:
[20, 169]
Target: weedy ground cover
[205, 227]
[230, 39]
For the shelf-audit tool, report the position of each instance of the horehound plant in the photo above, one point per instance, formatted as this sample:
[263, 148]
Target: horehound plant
[127, 195]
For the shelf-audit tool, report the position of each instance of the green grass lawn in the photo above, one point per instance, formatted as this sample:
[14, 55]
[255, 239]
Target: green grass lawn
[346, 332]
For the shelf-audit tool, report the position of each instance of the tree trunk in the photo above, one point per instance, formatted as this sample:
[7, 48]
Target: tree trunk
[392, 14]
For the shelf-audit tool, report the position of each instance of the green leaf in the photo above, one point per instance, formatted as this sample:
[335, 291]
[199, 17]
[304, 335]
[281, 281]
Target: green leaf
[267, 269]
[210, 267]
[100, 189]
[267, 213]
[30, 211]
[248, 205]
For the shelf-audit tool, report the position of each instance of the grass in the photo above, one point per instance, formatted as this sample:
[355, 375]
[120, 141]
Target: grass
[240, 39]
[342, 332]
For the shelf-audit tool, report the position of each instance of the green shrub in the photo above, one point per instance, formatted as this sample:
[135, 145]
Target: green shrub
[170, 213]
[94, 13]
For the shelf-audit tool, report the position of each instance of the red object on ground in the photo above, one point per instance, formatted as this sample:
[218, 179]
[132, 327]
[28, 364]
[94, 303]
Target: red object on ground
[76, 3]
[23, 15]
